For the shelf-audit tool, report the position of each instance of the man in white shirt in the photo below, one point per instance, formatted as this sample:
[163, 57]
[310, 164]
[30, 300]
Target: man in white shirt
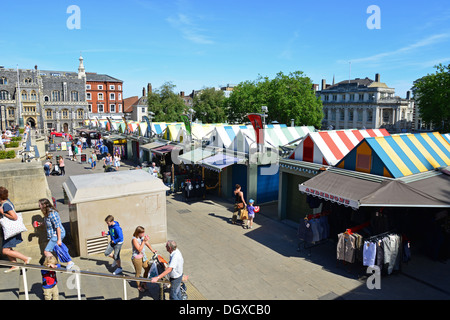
[174, 270]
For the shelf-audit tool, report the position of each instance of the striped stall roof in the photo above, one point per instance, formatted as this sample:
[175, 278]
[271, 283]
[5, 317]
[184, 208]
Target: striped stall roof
[399, 155]
[446, 137]
[329, 147]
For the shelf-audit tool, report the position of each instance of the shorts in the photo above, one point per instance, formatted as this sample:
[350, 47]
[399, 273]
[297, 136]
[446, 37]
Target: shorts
[116, 248]
[13, 241]
[53, 242]
[251, 216]
[93, 164]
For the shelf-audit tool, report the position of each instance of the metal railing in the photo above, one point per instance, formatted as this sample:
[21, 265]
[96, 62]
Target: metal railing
[79, 273]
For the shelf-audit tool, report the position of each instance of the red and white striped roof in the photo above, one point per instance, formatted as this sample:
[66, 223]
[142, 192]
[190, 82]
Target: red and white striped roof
[329, 147]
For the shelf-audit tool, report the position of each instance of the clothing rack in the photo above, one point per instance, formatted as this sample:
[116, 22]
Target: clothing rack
[400, 246]
[308, 246]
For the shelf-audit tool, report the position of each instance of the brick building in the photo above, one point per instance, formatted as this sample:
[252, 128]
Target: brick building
[104, 95]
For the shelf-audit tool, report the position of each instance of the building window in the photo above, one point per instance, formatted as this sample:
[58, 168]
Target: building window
[111, 87]
[46, 99]
[361, 96]
[88, 96]
[344, 97]
[56, 95]
[49, 114]
[65, 114]
[360, 115]
[80, 113]
[28, 81]
[363, 162]
[24, 96]
[119, 87]
[4, 95]
[120, 96]
[33, 95]
[3, 80]
[341, 115]
[334, 97]
[11, 112]
[74, 95]
[100, 96]
[350, 115]
[120, 108]
[88, 87]
[112, 96]
[100, 87]
[100, 108]
[369, 116]
[352, 97]
[333, 116]
[112, 108]
[90, 107]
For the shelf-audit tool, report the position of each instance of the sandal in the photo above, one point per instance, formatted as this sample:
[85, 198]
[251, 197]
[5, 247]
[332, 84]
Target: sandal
[12, 269]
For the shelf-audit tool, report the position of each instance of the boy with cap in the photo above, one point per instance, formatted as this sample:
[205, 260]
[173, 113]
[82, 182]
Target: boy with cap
[251, 213]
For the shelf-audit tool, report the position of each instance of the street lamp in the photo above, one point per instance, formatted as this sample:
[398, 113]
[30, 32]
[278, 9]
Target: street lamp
[264, 115]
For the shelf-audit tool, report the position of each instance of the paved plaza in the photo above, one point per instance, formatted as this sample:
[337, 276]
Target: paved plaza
[227, 262]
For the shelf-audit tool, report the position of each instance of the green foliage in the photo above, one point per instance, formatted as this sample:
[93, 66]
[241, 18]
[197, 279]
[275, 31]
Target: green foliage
[12, 144]
[286, 96]
[209, 106]
[7, 154]
[432, 94]
[166, 104]
[16, 139]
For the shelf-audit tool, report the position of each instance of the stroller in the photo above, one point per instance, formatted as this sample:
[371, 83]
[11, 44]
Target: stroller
[56, 171]
[158, 267]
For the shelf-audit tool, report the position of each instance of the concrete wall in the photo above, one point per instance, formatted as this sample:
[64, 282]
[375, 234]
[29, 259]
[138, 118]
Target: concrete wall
[87, 219]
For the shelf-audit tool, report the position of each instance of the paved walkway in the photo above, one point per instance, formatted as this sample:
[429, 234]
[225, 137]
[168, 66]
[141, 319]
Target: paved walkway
[227, 262]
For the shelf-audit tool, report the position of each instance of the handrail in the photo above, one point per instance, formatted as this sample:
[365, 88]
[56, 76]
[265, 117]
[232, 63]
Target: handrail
[79, 272]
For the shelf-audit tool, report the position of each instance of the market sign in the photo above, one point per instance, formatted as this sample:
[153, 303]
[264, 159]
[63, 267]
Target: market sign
[121, 141]
[328, 196]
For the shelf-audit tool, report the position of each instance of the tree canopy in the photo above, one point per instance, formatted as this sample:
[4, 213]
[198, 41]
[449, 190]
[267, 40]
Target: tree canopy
[209, 106]
[432, 94]
[166, 104]
[286, 96]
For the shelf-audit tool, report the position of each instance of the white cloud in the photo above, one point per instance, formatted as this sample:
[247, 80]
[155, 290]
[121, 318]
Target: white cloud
[189, 29]
[419, 44]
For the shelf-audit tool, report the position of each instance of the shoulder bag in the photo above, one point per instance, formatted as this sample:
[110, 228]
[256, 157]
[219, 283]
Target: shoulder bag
[12, 227]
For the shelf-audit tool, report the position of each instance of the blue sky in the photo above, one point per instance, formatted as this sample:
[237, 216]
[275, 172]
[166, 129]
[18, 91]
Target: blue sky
[199, 43]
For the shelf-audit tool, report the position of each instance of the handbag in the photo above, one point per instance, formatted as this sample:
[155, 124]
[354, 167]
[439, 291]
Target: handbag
[244, 214]
[240, 205]
[12, 227]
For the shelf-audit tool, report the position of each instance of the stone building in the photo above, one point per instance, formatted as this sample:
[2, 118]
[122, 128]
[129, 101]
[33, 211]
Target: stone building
[42, 98]
[365, 103]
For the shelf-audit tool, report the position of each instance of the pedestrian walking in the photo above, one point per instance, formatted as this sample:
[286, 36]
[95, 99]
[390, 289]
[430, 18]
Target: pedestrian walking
[116, 234]
[116, 160]
[74, 152]
[49, 281]
[239, 203]
[251, 213]
[94, 161]
[55, 229]
[47, 167]
[62, 166]
[7, 210]
[138, 256]
[174, 270]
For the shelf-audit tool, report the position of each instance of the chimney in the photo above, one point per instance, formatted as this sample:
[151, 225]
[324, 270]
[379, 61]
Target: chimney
[292, 123]
[143, 91]
[149, 88]
[408, 95]
[182, 94]
[324, 84]
[377, 77]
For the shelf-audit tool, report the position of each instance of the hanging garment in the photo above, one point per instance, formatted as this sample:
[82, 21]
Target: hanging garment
[391, 257]
[315, 229]
[304, 231]
[380, 255]
[346, 247]
[369, 253]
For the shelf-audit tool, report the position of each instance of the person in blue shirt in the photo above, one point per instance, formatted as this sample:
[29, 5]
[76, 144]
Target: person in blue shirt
[116, 234]
[251, 213]
[49, 281]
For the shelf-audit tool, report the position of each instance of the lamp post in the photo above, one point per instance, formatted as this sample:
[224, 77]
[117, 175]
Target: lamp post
[264, 110]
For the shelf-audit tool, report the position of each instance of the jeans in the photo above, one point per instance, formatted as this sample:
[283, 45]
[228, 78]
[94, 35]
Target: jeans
[116, 247]
[53, 241]
[47, 170]
[175, 288]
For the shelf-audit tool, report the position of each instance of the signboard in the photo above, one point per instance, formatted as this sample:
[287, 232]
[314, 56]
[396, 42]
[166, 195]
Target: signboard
[83, 158]
[58, 147]
[52, 147]
[63, 146]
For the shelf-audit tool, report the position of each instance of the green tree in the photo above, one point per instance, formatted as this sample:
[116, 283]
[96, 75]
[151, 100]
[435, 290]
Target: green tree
[432, 94]
[166, 104]
[209, 106]
[286, 97]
